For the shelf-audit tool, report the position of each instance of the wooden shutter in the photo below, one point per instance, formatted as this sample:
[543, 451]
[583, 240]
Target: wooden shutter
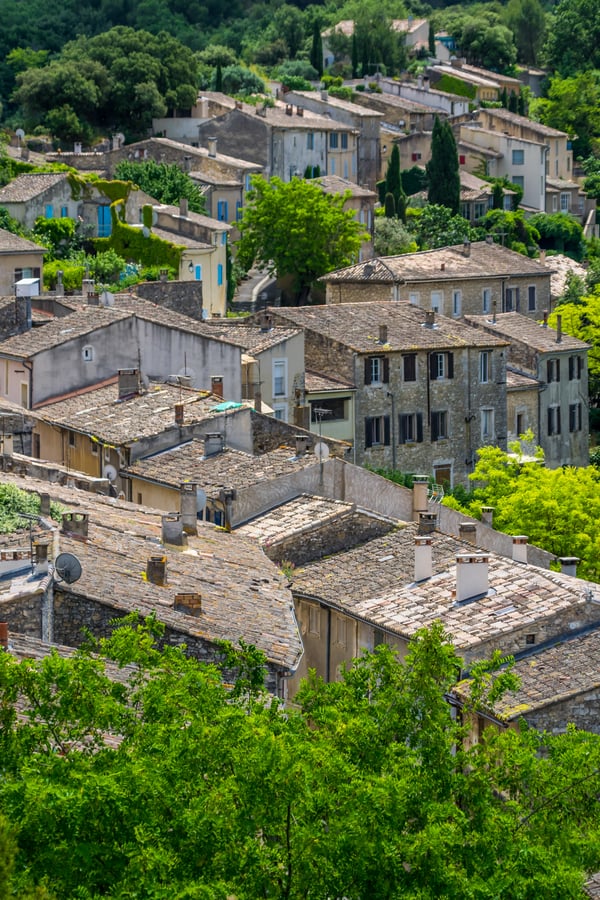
[433, 366]
[401, 429]
[419, 428]
[410, 367]
[558, 369]
[549, 372]
[579, 366]
[434, 426]
[571, 368]
[368, 432]
[386, 430]
[386, 369]
[558, 419]
[450, 363]
[368, 372]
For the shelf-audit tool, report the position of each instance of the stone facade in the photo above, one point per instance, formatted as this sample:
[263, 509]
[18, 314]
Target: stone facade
[184, 297]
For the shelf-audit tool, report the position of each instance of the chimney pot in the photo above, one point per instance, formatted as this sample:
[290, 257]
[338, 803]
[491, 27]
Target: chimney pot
[427, 523]
[301, 445]
[156, 570]
[4, 635]
[420, 501]
[41, 557]
[183, 207]
[545, 318]
[212, 146]
[129, 383]
[257, 401]
[568, 565]
[467, 248]
[75, 523]
[188, 507]
[472, 579]
[44, 504]
[189, 604]
[172, 529]
[216, 385]
[213, 443]
[429, 318]
[179, 413]
[519, 551]
[423, 558]
[487, 515]
[467, 531]
[383, 334]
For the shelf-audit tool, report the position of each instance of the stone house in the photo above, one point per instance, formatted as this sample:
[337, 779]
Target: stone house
[441, 102]
[331, 406]
[398, 113]
[92, 343]
[484, 87]
[361, 119]
[19, 259]
[360, 199]
[428, 393]
[559, 363]
[466, 279]
[414, 31]
[285, 140]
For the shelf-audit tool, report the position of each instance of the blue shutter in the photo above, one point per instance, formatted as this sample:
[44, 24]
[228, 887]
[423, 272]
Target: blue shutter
[220, 274]
[64, 212]
[198, 273]
[49, 211]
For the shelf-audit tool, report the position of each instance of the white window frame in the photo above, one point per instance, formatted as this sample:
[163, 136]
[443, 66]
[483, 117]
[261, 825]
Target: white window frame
[87, 353]
[485, 366]
[565, 201]
[280, 380]
[486, 300]
[280, 412]
[376, 367]
[437, 302]
[456, 302]
[487, 424]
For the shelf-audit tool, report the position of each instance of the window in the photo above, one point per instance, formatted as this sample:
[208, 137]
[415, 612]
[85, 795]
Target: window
[462, 160]
[553, 370]
[530, 639]
[377, 431]
[219, 274]
[511, 300]
[575, 367]
[344, 141]
[413, 298]
[437, 299]
[340, 631]
[104, 221]
[486, 300]
[279, 377]
[487, 424]
[280, 412]
[409, 367]
[439, 425]
[377, 370]
[574, 417]
[520, 424]
[94, 447]
[198, 273]
[72, 439]
[310, 141]
[518, 157]
[333, 140]
[87, 353]
[485, 366]
[554, 203]
[456, 303]
[49, 211]
[335, 409]
[247, 184]
[441, 365]
[531, 298]
[553, 420]
[480, 210]
[314, 620]
[416, 157]
[64, 212]
[564, 202]
[410, 428]
[222, 210]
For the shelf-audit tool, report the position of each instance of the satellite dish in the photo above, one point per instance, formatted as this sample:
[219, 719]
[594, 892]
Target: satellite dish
[321, 450]
[68, 568]
[110, 472]
[200, 500]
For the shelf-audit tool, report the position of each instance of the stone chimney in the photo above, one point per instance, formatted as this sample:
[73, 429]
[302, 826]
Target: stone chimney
[213, 443]
[519, 548]
[423, 558]
[467, 248]
[216, 385]
[23, 314]
[88, 286]
[383, 334]
[265, 321]
[542, 259]
[172, 529]
[299, 111]
[427, 523]
[60, 287]
[44, 504]
[93, 298]
[545, 318]
[187, 163]
[41, 557]
[487, 515]
[568, 565]
[467, 531]
[212, 146]
[156, 570]
[301, 445]
[129, 383]
[429, 318]
[188, 507]
[4, 635]
[183, 207]
[189, 604]
[472, 578]
[179, 413]
[75, 524]
[420, 502]
[8, 445]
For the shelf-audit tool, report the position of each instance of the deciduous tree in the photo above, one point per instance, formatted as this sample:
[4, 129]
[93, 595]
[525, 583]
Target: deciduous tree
[165, 182]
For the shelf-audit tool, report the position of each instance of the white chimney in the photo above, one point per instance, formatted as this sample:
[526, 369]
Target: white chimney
[471, 576]
[183, 207]
[420, 487]
[212, 146]
[519, 551]
[423, 558]
[487, 515]
[568, 565]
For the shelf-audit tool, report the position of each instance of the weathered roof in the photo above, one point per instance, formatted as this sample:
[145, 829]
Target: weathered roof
[478, 70]
[180, 240]
[297, 516]
[334, 184]
[98, 412]
[278, 116]
[199, 219]
[316, 383]
[522, 121]
[253, 338]
[475, 148]
[13, 243]
[592, 887]
[198, 152]
[339, 103]
[494, 136]
[519, 381]
[227, 469]
[562, 266]
[356, 325]
[536, 335]
[465, 75]
[27, 187]
[346, 26]
[482, 260]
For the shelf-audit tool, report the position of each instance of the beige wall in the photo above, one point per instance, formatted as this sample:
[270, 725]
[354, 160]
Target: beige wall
[11, 261]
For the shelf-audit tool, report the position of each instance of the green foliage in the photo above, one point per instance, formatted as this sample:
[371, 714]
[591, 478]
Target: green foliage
[435, 226]
[299, 69]
[13, 502]
[527, 21]
[582, 320]
[130, 243]
[560, 232]
[56, 234]
[8, 223]
[443, 177]
[295, 229]
[393, 187]
[392, 237]
[453, 85]
[414, 180]
[573, 43]
[73, 274]
[165, 182]
[343, 93]
[573, 105]
[316, 50]
[512, 229]
[485, 42]
[240, 81]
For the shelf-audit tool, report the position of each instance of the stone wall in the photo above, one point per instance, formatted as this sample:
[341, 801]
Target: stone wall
[580, 709]
[184, 297]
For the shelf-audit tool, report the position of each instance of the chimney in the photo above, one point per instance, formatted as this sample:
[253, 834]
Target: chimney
[93, 298]
[429, 318]
[187, 163]
[471, 576]
[466, 248]
[443, 267]
[172, 529]
[23, 314]
[163, 275]
[301, 445]
[558, 328]
[487, 515]
[427, 523]
[179, 417]
[189, 604]
[289, 109]
[494, 307]
[257, 400]
[4, 635]
[489, 239]
[227, 497]
[87, 288]
[568, 565]
[129, 383]
[383, 334]
[423, 558]
[519, 549]
[75, 524]
[44, 504]
[183, 207]
[60, 288]
[299, 111]
[542, 257]
[324, 95]
[7, 441]
[212, 146]
[545, 318]
[203, 107]
[156, 570]
[420, 503]
[467, 531]
[266, 321]
[188, 507]
[213, 443]
[41, 557]
[216, 385]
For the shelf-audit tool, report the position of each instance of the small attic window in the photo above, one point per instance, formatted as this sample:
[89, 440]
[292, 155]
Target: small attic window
[530, 638]
[87, 353]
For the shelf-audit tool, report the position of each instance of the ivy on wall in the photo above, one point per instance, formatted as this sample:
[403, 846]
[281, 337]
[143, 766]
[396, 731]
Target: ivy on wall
[133, 244]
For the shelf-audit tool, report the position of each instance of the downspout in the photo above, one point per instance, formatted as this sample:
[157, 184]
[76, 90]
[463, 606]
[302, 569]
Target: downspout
[328, 650]
[29, 366]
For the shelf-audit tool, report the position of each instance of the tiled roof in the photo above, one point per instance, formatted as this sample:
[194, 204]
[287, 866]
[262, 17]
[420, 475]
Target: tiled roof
[334, 184]
[552, 674]
[294, 517]
[27, 187]
[198, 152]
[243, 594]
[12, 243]
[477, 70]
[317, 383]
[338, 103]
[381, 101]
[277, 117]
[519, 381]
[251, 337]
[515, 327]
[483, 260]
[592, 887]
[180, 240]
[493, 136]
[197, 218]
[99, 412]
[475, 148]
[464, 75]
[227, 469]
[356, 325]
[522, 121]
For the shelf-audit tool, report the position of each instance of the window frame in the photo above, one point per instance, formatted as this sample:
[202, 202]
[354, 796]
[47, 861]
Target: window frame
[485, 366]
[439, 430]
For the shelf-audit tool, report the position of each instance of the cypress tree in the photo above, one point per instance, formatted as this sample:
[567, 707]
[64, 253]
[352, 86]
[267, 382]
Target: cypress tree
[354, 56]
[390, 206]
[219, 78]
[443, 177]
[431, 39]
[512, 102]
[316, 50]
[393, 183]
[521, 108]
[504, 98]
[497, 196]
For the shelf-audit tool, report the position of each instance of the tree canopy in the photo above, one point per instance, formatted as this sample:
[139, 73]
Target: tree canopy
[443, 178]
[163, 181]
[145, 777]
[294, 229]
